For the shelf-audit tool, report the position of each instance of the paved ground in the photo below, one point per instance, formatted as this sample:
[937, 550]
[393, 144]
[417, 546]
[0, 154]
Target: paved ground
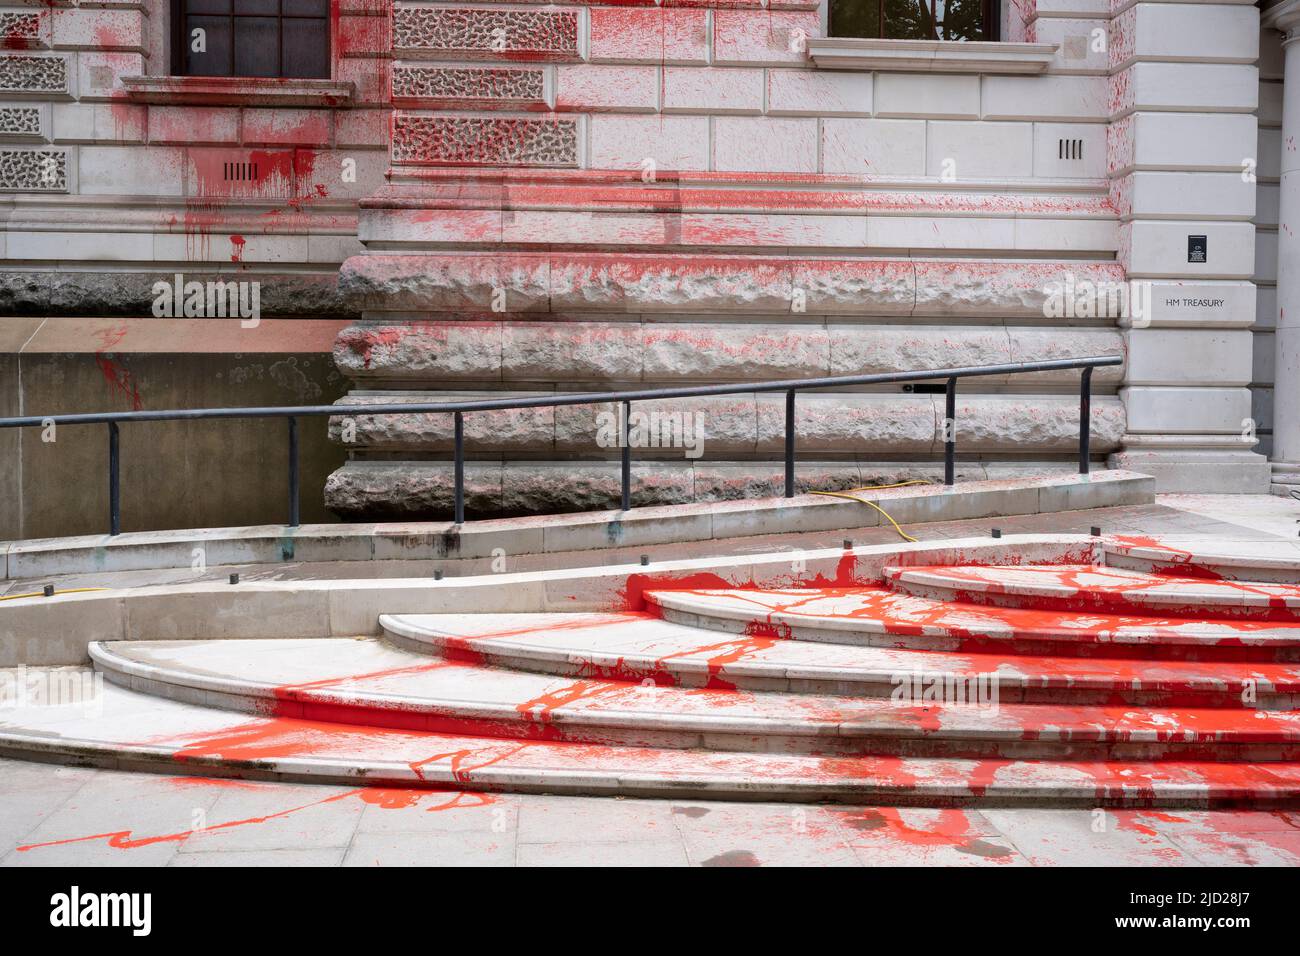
[52, 815]
[75, 816]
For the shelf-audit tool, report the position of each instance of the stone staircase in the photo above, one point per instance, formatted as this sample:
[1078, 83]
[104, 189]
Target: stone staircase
[1152, 679]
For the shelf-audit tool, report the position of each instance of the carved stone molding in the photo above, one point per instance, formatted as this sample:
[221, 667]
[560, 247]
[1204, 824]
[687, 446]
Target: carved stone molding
[482, 141]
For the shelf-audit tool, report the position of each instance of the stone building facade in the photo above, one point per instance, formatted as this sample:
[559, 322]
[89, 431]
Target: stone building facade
[516, 198]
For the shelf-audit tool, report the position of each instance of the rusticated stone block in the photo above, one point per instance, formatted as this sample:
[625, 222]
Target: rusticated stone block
[586, 351]
[501, 430]
[30, 74]
[1036, 423]
[422, 490]
[401, 490]
[1000, 288]
[856, 424]
[20, 122]
[20, 30]
[420, 350]
[690, 351]
[485, 141]
[468, 86]
[487, 34]
[634, 284]
[34, 170]
[686, 428]
[868, 349]
[1047, 344]
[532, 487]
[722, 481]
[447, 283]
[845, 286]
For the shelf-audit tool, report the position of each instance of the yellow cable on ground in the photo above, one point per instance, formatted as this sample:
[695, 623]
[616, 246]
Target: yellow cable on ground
[15, 597]
[888, 517]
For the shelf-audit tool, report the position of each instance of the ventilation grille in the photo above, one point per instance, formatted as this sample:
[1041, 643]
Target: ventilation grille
[1069, 149]
[239, 172]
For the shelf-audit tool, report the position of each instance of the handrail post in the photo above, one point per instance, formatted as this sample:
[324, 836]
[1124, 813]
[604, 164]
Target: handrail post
[458, 467]
[114, 482]
[627, 456]
[1085, 418]
[293, 473]
[789, 443]
[950, 433]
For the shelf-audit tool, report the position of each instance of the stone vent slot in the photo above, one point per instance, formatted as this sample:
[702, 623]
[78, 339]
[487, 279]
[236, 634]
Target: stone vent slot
[239, 172]
[1069, 149]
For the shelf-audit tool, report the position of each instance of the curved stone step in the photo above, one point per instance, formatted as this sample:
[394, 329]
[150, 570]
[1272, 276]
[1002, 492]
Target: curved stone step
[1089, 588]
[639, 646]
[368, 682]
[122, 729]
[1275, 562]
[873, 616]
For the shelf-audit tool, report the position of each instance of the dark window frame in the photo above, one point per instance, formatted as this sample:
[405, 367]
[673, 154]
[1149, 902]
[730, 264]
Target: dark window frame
[180, 42]
[991, 15]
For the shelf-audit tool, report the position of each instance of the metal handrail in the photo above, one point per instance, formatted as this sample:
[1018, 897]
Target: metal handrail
[458, 409]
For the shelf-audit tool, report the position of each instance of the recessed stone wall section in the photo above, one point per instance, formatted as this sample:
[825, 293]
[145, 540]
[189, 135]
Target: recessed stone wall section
[20, 122]
[34, 170]
[37, 75]
[470, 86]
[487, 34]
[481, 141]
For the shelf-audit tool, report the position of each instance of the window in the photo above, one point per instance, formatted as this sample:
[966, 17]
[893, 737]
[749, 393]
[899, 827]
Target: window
[283, 38]
[915, 19]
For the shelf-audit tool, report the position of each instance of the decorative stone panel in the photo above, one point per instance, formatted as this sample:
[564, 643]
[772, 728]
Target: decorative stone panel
[20, 122]
[487, 34]
[481, 141]
[36, 75]
[34, 170]
[20, 30]
[478, 86]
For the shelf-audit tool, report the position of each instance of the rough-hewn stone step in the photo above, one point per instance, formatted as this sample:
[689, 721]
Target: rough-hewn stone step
[1086, 588]
[639, 646]
[367, 682]
[880, 617]
[127, 730]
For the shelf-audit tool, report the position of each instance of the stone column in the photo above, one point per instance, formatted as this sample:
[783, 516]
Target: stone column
[1285, 17]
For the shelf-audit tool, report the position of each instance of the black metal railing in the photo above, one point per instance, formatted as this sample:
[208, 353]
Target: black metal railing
[791, 387]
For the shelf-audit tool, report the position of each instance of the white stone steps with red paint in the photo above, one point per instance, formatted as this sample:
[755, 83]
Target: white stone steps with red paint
[1090, 588]
[639, 646]
[875, 616]
[1275, 561]
[371, 683]
[125, 730]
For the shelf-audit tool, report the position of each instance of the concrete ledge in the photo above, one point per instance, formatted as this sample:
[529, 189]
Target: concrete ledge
[547, 534]
[56, 630]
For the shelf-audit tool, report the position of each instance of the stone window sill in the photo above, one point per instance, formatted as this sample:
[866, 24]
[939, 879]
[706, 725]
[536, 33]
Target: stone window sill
[929, 56]
[236, 91]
